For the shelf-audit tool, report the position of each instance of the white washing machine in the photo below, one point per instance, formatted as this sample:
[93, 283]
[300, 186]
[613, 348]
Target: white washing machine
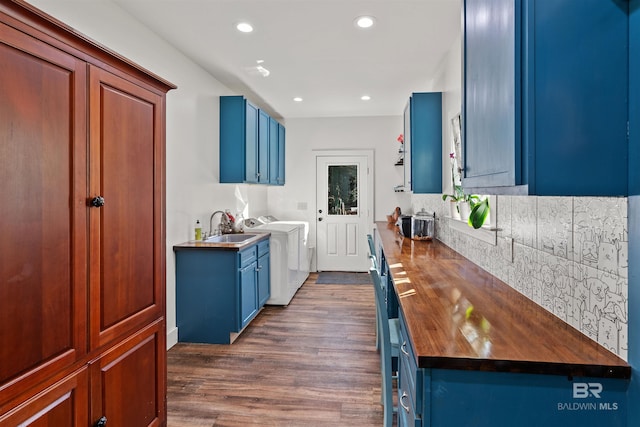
[285, 262]
[303, 246]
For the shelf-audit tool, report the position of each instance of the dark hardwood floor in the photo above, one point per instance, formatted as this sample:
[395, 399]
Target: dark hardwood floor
[313, 364]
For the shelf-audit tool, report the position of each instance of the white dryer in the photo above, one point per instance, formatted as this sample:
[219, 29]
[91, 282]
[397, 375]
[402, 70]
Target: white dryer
[304, 254]
[285, 260]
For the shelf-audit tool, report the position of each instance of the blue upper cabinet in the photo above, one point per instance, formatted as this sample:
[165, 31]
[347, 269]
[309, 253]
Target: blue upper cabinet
[273, 151]
[238, 130]
[249, 141]
[423, 143]
[545, 97]
[281, 147]
[276, 153]
[263, 147]
[251, 172]
[634, 103]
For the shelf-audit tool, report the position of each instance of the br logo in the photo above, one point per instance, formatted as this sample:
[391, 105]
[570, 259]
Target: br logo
[584, 390]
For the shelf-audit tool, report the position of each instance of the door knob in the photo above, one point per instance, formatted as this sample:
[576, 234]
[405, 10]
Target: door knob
[97, 202]
[319, 219]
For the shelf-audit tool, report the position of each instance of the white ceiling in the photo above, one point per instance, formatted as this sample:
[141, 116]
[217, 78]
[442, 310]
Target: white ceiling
[312, 49]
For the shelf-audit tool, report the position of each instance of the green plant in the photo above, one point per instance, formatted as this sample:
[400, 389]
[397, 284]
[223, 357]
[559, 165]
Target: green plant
[458, 194]
[479, 207]
[479, 212]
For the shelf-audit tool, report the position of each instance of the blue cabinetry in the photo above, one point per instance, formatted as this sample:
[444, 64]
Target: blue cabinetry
[263, 273]
[219, 290]
[634, 97]
[238, 139]
[250, 141]
[545, 97]
[281, 151]
[423, 143]
[446, 397]
[263, 148]
[273, 151]
[276, 153]
[634, 210]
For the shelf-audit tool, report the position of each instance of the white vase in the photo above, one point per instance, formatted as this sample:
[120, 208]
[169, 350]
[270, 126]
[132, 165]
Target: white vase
[453, 209]
[465, 210]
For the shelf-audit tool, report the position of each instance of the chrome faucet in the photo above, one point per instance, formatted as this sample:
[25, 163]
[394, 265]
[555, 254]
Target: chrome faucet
[224, 226]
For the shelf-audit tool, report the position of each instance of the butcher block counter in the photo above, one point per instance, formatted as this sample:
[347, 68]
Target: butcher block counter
[477, 352]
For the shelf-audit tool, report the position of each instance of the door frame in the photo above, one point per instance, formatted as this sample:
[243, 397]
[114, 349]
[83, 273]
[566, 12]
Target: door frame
[369, 154]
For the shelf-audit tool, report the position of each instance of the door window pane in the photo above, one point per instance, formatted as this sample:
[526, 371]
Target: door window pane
[343, 190]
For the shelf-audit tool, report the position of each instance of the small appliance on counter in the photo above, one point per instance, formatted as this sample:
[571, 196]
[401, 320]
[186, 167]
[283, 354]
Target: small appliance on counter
[423, 225]
[420, 226]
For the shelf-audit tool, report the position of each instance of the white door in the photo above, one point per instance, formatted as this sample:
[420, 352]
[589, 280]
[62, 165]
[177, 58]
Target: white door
[343, 212]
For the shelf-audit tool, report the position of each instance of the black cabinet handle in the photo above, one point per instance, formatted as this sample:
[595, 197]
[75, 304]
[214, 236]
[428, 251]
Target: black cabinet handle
[97, 202]
[102, 422]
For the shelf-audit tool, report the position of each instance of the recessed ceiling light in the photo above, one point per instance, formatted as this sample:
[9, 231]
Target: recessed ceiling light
[244, 27]
[365, 97]
[263, 71]
[297, 99]
[365, 21]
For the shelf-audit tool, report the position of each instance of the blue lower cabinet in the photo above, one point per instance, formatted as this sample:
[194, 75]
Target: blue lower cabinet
[248, 295]
[219, 291]
[430, 397]
[263, 273]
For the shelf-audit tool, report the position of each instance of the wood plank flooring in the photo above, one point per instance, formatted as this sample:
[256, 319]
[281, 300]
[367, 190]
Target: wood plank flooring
[312, 364]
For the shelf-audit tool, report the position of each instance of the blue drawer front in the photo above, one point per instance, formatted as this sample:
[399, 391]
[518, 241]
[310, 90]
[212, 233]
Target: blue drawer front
[263, 248]
[248, 256]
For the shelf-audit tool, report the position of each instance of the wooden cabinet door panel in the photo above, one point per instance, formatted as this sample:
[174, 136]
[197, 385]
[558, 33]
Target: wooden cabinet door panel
[64, 404]
[43, 242]
[126, 267]
[128, 383]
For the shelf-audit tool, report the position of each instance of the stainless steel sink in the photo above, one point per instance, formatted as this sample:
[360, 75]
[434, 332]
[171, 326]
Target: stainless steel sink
[230, 238]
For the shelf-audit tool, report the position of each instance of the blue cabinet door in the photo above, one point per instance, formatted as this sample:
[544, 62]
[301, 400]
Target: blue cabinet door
[491, 92]
[545, 105]
[264, 277]
[263, 147]
[634, 98]
[248, 294]
[273, 151]
[252, 141]
[233, 137]
[426, 142]
[281, 157]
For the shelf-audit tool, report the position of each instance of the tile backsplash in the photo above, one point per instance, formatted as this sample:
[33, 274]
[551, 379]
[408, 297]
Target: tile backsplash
[568, 254]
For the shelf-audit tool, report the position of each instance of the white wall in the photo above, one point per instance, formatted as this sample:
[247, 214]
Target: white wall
[192, 191]
[305, 135]
[449, 82]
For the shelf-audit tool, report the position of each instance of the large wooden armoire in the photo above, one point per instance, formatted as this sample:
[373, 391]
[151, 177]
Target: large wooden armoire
[82, 240]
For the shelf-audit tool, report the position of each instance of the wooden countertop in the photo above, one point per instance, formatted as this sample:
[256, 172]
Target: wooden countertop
[459, 316]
